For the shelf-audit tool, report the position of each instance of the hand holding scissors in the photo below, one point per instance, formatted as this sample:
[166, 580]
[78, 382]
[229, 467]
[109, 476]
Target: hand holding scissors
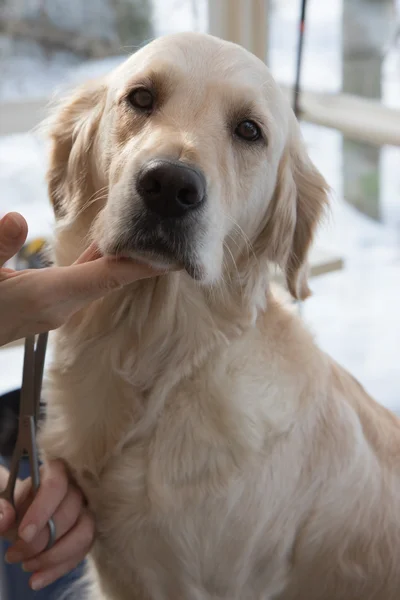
[28, 416]
[56, 530]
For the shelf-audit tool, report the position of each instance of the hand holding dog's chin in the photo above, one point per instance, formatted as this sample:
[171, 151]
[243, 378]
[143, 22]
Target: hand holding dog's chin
[34, 301]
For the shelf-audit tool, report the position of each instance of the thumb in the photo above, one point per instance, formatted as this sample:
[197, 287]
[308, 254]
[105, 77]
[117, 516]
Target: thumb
[13, 232]
[7, 517]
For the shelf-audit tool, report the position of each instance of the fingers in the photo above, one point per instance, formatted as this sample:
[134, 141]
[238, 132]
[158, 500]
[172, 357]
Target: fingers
[7, 517]
[52, 490]
[64, 519]
[13, 232]
[44, 578]
[41, 300]
[91, 253]
[61, 500]
[93, 279]
[65, 555]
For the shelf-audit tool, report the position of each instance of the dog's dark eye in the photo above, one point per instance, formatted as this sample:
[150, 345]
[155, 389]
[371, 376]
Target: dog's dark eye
[248, 130]
[142, 99]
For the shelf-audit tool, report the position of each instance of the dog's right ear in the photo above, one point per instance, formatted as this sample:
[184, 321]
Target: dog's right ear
[72, 129]
[298, 204]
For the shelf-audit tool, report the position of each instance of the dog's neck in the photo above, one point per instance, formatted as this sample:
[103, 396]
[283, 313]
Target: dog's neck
[148, 336]
[168, 323]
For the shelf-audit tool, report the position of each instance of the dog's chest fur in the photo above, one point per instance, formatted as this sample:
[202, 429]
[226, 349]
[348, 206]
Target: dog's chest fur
[204, 483]
[175, 474]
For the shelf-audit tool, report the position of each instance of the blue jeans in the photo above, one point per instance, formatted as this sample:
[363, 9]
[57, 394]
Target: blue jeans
[16, 580]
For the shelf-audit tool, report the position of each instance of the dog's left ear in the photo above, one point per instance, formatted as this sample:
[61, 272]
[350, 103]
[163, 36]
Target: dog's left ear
[299, 201]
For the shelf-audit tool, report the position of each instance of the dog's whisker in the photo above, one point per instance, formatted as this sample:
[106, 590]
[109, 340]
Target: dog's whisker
[235, 266]
[91, 201]
[246, 239]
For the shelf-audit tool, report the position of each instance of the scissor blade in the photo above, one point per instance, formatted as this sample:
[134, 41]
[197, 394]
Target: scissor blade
[40, 355]
[27, 401]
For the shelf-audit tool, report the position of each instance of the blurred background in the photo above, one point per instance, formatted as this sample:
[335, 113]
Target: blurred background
[350, 116]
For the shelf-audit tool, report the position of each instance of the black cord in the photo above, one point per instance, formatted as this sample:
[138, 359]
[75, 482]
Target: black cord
[296, 93]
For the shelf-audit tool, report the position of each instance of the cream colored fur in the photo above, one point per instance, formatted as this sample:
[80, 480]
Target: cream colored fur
[223, 454]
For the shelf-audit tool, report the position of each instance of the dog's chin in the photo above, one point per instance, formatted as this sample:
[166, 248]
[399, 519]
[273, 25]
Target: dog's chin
[156, 262]
[163, 263]
[164, 247]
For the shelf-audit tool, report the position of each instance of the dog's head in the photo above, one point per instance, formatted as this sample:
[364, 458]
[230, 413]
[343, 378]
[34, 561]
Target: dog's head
[187, 156]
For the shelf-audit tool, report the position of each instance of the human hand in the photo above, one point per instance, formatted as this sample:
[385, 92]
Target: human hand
[59, 499]
[38, 300]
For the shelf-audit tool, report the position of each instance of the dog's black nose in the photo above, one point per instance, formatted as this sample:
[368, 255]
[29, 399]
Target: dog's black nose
[171, 188]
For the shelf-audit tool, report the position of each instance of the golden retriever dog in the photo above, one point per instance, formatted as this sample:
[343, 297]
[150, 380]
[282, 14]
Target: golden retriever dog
[223, 454]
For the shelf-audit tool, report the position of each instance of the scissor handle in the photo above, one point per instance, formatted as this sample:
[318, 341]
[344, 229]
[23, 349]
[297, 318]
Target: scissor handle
[27, 427]
[9, 492]
[35, 474]
[26, 442]
[29, 412]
